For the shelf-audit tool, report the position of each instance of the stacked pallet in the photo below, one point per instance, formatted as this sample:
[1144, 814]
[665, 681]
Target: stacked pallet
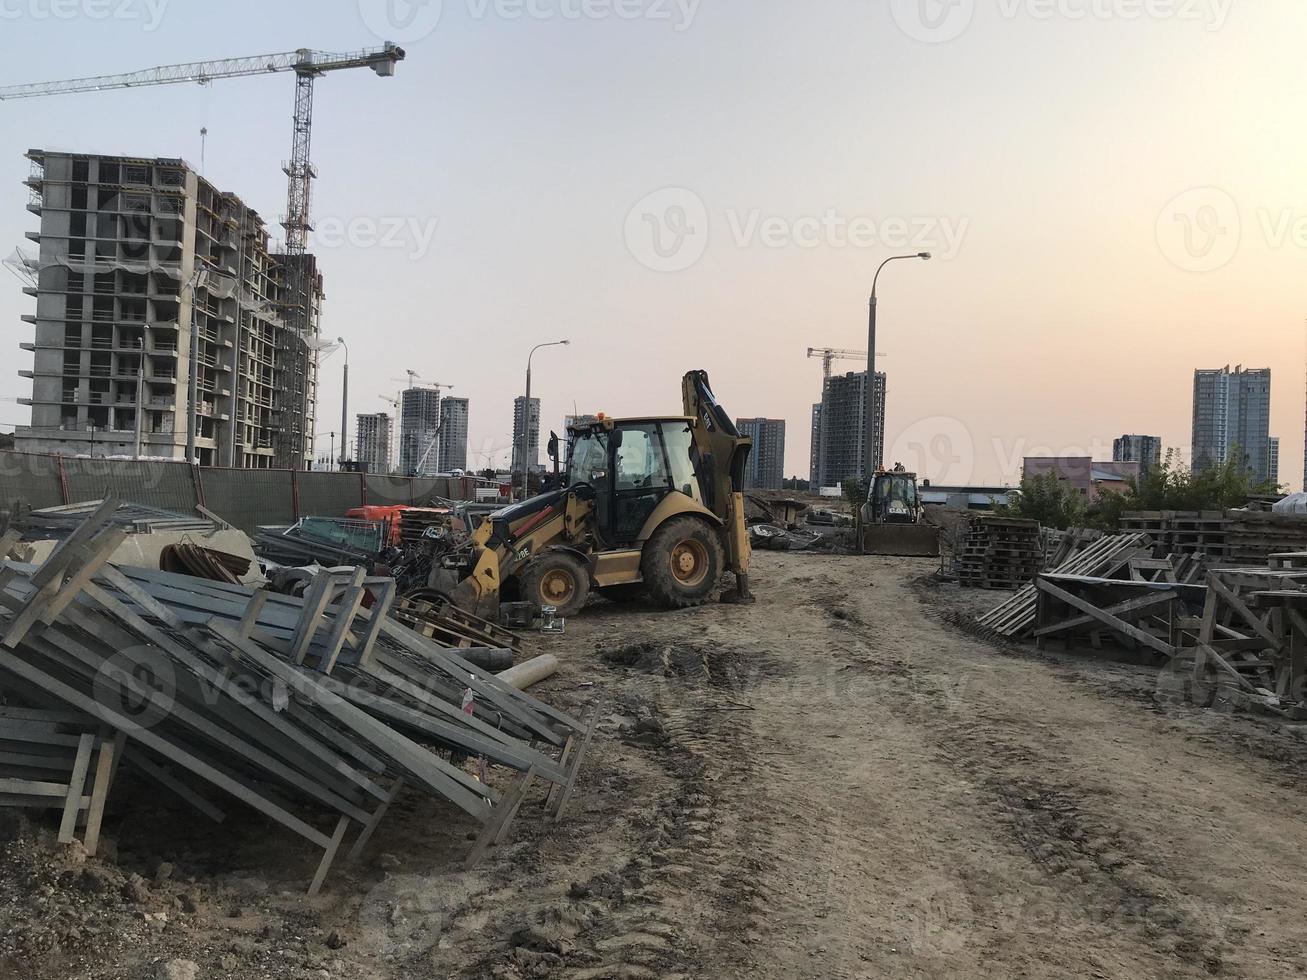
[1253, 536]
[1179, 532]
[999, 553]
[315, 712]
[1104, 558]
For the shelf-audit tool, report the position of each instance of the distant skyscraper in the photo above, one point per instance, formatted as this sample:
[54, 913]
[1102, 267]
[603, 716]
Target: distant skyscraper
[453, 434]
[419, 420]
[766, 469]
[1273, 460]
[1144, 450]
[843, 428]
[532, 427]
[373, 445]
[1232, 411]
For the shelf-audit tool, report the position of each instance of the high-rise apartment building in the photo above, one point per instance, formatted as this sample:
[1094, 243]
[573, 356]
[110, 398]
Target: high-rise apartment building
[1273, 460]
[1232, 413]
[372, 445]
[419, 425]
[842, 424]
[532, 427]
[1144, 450]
[766, 468]
[453, 434]
[137, 256]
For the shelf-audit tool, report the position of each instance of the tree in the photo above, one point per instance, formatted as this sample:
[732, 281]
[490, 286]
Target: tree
[1173, 486]
[1047, 499]
[855, 492]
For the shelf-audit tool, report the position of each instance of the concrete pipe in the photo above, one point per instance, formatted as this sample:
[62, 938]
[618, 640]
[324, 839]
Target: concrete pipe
[531, 672]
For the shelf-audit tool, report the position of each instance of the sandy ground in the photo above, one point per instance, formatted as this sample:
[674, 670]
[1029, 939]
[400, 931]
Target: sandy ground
[834, 783]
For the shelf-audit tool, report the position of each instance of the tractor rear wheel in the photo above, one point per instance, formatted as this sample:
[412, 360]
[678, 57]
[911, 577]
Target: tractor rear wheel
[682, 563]
[556, 579]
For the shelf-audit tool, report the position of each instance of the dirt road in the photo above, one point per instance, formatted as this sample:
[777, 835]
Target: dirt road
[833, 783]
[900, 799]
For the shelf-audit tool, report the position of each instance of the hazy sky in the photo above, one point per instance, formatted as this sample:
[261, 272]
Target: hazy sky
[1114, 189]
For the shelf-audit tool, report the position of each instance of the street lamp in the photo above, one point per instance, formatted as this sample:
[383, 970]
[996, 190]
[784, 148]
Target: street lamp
[344, 406]
[869, 430]
[526, 413]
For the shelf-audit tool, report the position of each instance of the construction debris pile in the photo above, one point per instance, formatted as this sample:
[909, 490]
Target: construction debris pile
[1237, 633]
[998, 553]
[316, 712]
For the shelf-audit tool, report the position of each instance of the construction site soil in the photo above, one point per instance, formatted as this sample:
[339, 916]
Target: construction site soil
[837, 782]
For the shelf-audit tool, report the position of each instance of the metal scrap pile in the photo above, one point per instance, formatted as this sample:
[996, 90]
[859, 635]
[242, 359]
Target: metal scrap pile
[316, 712]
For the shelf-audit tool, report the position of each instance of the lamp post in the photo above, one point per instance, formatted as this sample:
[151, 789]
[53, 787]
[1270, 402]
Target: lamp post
[344, 406]
[526, 413]
[869, 430]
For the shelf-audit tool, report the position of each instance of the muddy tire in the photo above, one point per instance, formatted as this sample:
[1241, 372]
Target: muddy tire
[630, 592]
[556, 579]
[682, 563]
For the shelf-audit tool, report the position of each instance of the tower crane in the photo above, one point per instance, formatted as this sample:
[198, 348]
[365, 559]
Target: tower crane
[829, 355]
[307, 65]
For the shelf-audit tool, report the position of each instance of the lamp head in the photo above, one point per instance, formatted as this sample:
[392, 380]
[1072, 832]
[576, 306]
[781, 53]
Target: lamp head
[925, 256]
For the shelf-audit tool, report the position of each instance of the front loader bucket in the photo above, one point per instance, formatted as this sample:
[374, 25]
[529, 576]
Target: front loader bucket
[906, 540]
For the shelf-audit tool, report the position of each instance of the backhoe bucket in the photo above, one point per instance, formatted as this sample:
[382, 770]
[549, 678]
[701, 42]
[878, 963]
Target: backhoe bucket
[906, 540]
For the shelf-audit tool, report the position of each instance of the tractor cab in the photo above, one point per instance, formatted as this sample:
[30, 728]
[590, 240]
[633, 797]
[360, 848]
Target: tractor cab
[633, 466]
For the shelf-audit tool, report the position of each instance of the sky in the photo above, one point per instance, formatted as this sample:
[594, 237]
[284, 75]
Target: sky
[1112, 189]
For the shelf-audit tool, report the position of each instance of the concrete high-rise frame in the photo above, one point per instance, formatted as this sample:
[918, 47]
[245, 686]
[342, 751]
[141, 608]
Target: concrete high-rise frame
[839, 424]
[372, 441]
[766, 469]
[453, 434]
[419, 425]
[134, 254]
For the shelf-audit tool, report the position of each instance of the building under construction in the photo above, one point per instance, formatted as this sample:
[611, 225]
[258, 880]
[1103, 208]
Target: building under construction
[839, 429]
[136, 255]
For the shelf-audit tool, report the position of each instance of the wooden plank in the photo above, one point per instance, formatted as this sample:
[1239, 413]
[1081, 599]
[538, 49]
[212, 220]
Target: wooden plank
[425, 767]
[328, 856]
[315, 603]
[346, 610]
[66, 550]
[99, 794]
[1246, 614]
[27, 670]
[1138, 604]
[365, 834]
[1118, 625]
[82, 763]
[566, 794]
[498, 823]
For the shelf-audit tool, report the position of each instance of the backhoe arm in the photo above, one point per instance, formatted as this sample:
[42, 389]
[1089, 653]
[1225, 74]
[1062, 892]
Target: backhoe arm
[723, 455]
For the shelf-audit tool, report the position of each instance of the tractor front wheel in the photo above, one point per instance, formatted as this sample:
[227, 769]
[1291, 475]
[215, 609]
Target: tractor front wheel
[682, 562]
[556, 579]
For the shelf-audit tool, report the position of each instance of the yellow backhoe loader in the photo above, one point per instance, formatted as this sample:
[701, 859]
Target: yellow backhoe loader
[890, 522]
[650, 507]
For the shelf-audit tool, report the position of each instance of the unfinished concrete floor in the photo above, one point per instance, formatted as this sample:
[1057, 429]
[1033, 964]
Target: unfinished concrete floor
[834, 783]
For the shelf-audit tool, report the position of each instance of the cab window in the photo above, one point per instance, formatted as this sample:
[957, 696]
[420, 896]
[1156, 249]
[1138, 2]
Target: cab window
[640, 461]
[589, 460]
[679, 442]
